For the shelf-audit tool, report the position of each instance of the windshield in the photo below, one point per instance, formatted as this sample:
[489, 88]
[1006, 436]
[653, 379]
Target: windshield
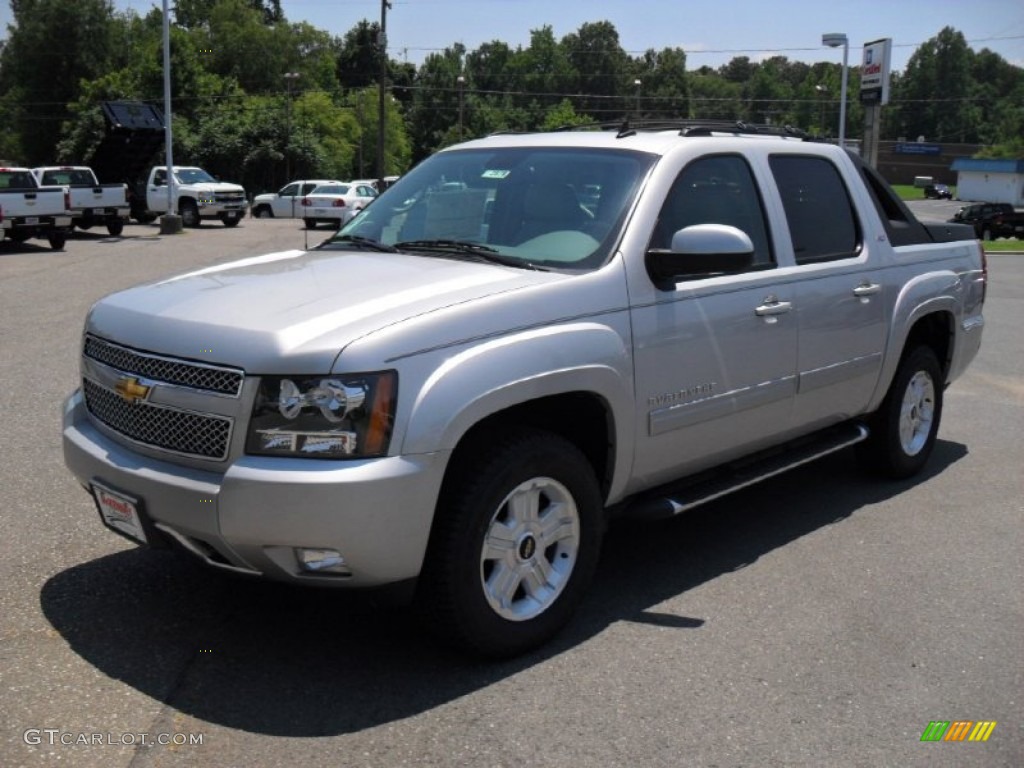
[548, 207]
[193, 176]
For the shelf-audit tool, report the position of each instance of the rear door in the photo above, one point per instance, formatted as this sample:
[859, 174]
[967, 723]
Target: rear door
[839, 295]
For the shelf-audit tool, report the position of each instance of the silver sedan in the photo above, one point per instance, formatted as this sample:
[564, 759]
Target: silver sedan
[335, 204]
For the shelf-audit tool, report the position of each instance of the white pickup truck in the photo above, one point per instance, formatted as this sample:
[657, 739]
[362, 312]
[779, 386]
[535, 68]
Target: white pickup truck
[28, 210]
[91, 203]
[197, 196]
[522, 338]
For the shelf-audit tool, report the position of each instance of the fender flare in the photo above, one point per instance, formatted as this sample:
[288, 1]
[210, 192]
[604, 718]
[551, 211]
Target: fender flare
[581, 357]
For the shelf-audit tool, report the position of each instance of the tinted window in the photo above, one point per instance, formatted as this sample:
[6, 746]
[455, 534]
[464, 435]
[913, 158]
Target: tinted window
[290, 191]
[821, 219]
[715, 190]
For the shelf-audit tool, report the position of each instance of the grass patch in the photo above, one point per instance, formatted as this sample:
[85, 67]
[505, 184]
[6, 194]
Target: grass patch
[910, 192]
[1004, 244]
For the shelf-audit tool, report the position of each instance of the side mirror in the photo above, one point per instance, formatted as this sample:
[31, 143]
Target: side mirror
[703, 250]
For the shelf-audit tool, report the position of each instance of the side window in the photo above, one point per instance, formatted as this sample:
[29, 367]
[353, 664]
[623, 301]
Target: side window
[718, 189]
[290, 191]
[818, 208]
[160, 178]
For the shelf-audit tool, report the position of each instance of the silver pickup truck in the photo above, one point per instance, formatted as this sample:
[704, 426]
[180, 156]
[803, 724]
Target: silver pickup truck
[522, 338]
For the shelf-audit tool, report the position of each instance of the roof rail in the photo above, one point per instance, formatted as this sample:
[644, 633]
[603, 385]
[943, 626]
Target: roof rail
[693, 127]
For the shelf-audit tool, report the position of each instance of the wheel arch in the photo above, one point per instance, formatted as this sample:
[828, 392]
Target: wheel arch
[933, 326]
[580, 417]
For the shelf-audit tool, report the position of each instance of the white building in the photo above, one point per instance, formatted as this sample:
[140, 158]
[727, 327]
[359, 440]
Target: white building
[990, 181]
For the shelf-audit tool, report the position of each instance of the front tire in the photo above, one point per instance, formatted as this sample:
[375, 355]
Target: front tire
[514, 545]
[231, 221]
[189, 213]
[263, 212]
[904, 428]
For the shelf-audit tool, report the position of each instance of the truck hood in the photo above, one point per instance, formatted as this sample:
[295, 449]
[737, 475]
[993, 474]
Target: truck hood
[294, 311]
[211, 186]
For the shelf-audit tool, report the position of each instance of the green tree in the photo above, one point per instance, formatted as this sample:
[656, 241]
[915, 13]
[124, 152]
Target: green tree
[435, 104]
[52, 47]
[664, 89]
[196, 13]
[360, 56]
[601, 70]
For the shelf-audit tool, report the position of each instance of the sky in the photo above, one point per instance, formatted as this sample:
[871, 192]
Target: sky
[711, 33]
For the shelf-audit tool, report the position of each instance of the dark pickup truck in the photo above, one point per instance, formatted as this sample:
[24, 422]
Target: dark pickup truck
[992, 220]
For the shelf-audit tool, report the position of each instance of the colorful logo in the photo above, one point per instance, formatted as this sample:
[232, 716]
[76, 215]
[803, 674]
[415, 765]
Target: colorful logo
[130, 390]
[958, 730]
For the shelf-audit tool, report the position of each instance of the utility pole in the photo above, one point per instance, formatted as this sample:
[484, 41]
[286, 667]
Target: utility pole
[382, 46]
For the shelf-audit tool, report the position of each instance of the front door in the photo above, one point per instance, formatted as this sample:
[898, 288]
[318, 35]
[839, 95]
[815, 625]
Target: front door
[715, 357]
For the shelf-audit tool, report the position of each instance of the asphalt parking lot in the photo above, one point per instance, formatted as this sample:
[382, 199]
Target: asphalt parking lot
[818, 619]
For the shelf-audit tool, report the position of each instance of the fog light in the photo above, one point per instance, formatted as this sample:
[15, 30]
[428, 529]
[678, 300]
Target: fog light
[328, 561]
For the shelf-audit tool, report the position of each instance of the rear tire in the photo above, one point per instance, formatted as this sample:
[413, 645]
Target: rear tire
[515, 543]
[57, 240]
[18, 236]
[310, 223]
[115, 228]
[904, 428]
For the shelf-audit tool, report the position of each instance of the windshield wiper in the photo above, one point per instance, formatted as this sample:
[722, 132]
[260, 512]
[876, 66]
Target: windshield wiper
[359, 242]
[465, 249]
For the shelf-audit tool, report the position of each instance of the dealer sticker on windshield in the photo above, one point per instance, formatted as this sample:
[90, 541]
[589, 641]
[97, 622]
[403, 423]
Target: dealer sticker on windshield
[120, 512]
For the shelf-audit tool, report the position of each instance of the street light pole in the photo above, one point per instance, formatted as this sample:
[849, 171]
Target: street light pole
[288, 78]
[382, 49]
[462, 84]
[170, 222]
[834, 40]
[822, 91]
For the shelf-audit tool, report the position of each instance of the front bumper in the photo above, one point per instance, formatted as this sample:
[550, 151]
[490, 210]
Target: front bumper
[216, 209]
[250, 518]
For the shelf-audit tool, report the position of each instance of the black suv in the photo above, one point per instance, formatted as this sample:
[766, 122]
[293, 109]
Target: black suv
[938, 192]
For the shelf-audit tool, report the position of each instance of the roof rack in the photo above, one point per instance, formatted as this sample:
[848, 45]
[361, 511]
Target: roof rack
[695, 127]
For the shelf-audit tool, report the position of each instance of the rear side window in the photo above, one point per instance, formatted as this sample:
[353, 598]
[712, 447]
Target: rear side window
[818, 209]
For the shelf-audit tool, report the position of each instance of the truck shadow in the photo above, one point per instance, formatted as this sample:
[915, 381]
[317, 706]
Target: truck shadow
[277, 660]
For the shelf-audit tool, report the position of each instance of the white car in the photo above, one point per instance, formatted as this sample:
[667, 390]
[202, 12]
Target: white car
[286, 203]
[335, 203]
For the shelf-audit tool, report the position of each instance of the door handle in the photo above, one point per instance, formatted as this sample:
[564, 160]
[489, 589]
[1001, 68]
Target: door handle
[772, 306]
[867, 289]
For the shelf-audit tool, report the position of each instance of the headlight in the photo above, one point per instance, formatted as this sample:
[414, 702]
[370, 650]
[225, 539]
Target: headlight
[323, 417]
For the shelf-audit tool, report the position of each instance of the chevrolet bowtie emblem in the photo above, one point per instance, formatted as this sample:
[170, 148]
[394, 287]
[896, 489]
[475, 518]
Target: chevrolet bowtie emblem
[130, 390]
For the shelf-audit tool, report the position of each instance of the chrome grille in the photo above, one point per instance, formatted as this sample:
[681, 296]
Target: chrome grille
[192, 434]
[207, 378]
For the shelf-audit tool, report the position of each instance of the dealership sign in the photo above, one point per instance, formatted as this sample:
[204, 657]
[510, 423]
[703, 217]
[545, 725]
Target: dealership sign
[874, 72]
